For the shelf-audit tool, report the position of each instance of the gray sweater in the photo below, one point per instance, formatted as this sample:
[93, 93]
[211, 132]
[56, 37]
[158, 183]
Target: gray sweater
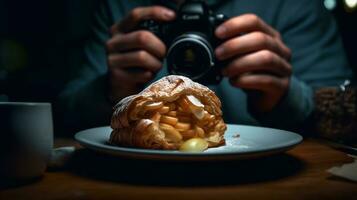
[318, 59]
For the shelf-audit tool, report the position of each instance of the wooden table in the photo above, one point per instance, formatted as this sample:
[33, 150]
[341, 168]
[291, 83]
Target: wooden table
[297, 174]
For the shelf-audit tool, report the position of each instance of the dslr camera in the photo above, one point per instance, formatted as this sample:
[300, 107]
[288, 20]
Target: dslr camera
[191, 41]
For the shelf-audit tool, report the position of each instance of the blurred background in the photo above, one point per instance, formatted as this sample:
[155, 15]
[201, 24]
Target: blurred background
[41, 40]
[37, 42]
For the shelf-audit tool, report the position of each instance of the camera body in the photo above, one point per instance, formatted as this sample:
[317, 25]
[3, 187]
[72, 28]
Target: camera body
[190, 40]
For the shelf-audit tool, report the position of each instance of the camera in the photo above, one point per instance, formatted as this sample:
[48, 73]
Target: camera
[191, 41]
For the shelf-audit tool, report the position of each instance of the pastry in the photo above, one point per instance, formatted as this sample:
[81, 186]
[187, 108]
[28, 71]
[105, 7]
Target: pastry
[167, 113]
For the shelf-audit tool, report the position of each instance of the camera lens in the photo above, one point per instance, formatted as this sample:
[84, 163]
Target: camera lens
[190, 55]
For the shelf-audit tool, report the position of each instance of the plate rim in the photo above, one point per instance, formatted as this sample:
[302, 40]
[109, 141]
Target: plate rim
[164, 154]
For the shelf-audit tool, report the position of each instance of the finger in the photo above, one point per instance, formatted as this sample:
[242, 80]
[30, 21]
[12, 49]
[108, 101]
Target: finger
[244, 24]
[136, 59]
[139, 14]
[260, 82]
[251, 42]
[120, 76]
[144, 40]
[263, 61]
[286, 50]
[264, 91]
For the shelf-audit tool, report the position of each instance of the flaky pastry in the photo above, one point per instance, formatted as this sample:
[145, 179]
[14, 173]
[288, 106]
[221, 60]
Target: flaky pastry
[166, 114]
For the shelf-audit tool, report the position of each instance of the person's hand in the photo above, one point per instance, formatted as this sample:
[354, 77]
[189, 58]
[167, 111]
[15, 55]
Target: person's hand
[258, 60]
[135, 56]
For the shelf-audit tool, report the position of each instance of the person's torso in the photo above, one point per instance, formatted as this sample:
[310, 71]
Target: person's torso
[234, 100]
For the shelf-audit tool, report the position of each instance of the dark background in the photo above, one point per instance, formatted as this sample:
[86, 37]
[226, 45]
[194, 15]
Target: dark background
[40, 42]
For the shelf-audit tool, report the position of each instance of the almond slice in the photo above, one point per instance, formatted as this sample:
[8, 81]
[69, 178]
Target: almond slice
[195, 106]
[194, 101]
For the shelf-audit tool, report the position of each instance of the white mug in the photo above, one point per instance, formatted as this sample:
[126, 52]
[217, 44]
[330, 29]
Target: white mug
[26, 139]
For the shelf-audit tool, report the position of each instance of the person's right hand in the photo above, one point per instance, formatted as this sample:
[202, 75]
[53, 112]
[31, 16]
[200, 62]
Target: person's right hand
[129, 50]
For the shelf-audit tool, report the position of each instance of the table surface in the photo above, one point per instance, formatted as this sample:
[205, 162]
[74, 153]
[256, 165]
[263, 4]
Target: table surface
[297, 174]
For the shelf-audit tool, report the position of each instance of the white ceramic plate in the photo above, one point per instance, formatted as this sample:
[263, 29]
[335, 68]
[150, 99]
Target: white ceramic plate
[252, 142]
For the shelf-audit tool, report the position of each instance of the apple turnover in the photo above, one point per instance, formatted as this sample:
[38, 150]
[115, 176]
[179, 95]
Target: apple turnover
[167, 113]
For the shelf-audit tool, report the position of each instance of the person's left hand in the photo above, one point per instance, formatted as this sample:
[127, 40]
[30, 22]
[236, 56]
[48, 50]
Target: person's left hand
[258, 59]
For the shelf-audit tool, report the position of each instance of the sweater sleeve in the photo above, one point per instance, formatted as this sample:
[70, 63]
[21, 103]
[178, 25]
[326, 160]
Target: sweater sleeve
[84, 102]
[318, 60]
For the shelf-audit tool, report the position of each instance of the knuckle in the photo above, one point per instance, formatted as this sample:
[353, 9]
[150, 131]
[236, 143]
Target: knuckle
[233, 69]
[112, 60]
[141, 56]
[142, 37]
[278, 35]
[253, 18]
[162, 51]
[156, 10]
[157, 66]
[234, 65]
[112, 43]
[285, 83]
[267, 57]
[262, 39]
[135, 14]
[109, 46]
[289, 70]
[268, 81]
[229, 46]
